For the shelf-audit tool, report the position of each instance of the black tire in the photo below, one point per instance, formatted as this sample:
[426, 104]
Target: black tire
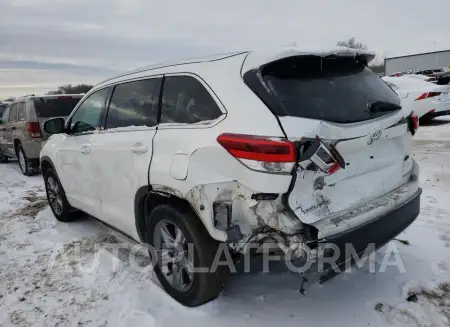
[206, 286]
[67, 213]
[25, 164]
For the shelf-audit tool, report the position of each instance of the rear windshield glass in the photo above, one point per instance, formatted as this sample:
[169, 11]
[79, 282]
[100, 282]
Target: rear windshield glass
[54, 107]
[334, 89]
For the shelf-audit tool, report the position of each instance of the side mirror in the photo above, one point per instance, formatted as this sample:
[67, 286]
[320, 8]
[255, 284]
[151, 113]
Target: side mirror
[54, 126]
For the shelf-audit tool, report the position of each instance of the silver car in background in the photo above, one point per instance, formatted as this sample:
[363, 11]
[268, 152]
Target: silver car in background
[21, 127]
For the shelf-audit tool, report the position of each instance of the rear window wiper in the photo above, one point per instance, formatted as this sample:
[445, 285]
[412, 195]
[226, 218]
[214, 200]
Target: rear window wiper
[380, 106]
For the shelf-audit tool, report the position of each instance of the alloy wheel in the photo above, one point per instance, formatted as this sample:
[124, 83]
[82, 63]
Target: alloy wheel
[54, 195]
[22, 161]
[176, 257]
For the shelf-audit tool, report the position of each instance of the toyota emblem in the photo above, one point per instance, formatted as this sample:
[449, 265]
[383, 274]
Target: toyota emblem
[374, 137]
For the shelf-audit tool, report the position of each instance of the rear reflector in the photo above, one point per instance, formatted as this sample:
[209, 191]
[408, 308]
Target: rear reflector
[334, 168]
[267, 154]
[428, 95]
[34, 129]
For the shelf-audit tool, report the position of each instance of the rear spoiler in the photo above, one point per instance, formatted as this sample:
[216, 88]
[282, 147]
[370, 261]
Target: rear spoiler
[257, 59]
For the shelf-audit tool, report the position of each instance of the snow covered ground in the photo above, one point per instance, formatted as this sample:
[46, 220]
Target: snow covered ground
[54, 274]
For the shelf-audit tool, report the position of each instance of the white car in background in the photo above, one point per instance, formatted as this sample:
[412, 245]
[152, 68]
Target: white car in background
[421, 77]
[426, 99]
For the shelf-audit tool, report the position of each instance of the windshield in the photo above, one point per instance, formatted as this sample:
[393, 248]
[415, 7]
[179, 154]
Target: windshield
[336, 89]
[55, 107]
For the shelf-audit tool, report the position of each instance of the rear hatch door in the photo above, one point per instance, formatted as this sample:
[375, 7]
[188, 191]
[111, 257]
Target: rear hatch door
[376, 160]
[337, 109]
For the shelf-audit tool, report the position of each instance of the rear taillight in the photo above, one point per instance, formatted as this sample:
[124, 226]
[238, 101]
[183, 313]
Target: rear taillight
[413, 123]
[266, 154]
[34, 129]
[428, 95]
[415, 120]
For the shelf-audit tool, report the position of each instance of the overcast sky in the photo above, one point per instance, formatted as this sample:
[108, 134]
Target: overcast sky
[46, 43]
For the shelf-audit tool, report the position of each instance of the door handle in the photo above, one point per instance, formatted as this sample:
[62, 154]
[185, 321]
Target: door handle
[139, 148]
[85, 149]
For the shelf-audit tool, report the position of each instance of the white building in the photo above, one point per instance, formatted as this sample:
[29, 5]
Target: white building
[417, 62]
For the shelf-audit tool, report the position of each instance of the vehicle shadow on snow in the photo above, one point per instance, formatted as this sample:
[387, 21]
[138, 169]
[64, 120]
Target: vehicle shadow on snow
[435, 122]
[280, 278]
[277, 295]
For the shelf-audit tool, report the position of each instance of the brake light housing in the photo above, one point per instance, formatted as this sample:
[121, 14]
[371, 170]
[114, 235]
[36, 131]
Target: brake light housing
[261, 153]
[413, 123]
[34, 130]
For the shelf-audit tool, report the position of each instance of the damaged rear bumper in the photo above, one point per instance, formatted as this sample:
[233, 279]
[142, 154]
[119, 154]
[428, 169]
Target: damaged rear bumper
[382, 229]
[252, 224]
[340, 223]
[371, 235]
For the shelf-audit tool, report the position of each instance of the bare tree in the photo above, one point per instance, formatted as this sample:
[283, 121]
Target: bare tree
[53, 92]
[65, 89]
[379, 69]
[377, 64]
[352, 43]
[71, 89]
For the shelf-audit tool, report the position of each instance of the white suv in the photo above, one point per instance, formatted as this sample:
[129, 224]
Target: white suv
[288, 147]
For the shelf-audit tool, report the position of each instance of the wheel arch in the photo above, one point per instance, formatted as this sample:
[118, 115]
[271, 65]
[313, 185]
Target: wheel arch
[16, 143]
[46, 163]
[147, 198]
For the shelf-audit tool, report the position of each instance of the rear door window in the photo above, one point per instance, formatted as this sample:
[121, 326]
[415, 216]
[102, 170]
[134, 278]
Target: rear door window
[335, 89]
[13, 112]
[61, 106]
[134, 104]
[185, 100]
[21, 113]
